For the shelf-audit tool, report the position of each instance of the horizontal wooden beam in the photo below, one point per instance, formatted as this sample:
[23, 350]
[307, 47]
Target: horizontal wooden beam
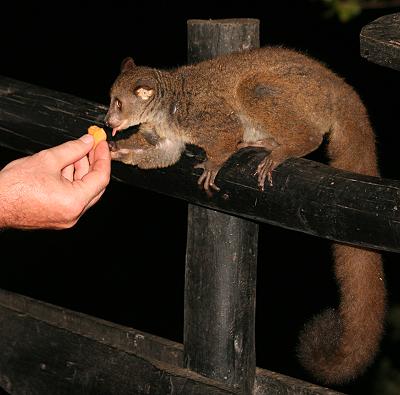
[306, 196]
[46, 349]
[380, 41]
[271, 383]
[68, 353]
[118, 336]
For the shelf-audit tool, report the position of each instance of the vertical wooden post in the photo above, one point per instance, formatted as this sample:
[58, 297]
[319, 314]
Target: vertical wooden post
[221, 255]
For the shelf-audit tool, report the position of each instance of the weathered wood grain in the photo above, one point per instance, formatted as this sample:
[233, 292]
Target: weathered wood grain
[69, 353]
[380, 41]
[221, 252]
[48, 350]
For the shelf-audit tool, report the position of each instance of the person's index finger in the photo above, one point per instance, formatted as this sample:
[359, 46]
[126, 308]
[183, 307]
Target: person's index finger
[102, 157]
[102, 151]
[99, 176]
[96, 180]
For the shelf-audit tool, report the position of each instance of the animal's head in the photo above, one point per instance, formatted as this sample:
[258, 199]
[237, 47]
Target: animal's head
[131, 96]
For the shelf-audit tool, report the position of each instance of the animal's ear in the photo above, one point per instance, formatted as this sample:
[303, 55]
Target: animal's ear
[127, 64]
[144, 92]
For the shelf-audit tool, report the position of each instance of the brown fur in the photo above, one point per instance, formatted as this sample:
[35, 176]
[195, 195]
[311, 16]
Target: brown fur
[285, 102]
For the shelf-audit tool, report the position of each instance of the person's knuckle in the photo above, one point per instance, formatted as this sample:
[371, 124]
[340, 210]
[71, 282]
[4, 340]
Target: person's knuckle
[46, 156]
[104, 179]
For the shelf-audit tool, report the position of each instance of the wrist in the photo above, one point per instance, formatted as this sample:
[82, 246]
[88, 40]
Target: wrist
[6, 205]
[4, 210]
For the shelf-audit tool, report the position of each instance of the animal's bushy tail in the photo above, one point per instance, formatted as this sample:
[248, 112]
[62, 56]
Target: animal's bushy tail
[340, 343]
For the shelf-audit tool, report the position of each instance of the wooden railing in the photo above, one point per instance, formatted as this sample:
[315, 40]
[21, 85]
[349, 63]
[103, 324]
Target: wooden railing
[50, 350]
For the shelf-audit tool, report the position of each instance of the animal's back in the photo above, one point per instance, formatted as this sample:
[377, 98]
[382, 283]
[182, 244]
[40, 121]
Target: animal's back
[278, 80]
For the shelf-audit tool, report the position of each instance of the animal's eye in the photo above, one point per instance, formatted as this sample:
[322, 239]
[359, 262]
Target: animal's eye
[119, 104]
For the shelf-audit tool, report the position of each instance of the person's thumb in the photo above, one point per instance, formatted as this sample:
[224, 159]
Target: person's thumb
[71, 151]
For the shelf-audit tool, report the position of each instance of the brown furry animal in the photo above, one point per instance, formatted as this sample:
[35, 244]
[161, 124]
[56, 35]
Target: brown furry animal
[285, 102]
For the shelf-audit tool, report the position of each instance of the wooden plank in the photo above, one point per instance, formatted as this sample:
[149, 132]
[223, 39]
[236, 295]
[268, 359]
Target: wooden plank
[127, 339]
[39, 358]
[47, 349]
[380, 41]
[221, 253]
[306, 196]
[271, 383]
[43, 117]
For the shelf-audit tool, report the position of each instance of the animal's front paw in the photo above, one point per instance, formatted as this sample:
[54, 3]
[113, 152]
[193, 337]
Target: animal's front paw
[125, 155]
[112, 145]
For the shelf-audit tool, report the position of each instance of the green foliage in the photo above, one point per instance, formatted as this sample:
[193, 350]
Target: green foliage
[345, 10]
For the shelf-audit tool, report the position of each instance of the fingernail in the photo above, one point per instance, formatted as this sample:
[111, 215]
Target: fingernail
[87, 138]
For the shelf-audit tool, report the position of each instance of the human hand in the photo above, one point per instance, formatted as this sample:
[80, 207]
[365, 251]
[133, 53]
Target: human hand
[53, 188]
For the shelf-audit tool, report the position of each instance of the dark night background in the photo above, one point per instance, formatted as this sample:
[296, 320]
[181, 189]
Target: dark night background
[136, 277]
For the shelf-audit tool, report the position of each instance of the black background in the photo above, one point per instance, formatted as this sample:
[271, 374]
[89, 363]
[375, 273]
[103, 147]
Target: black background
[124, 260]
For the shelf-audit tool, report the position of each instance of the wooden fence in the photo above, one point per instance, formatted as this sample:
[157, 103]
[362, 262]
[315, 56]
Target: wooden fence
[47, 349]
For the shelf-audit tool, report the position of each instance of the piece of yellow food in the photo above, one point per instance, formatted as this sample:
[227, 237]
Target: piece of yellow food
[98, 134]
